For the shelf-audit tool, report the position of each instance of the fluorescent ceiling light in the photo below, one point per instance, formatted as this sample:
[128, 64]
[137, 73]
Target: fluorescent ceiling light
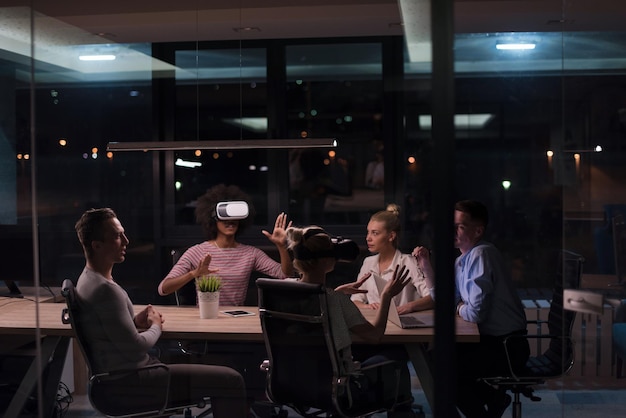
[223, 144]
[191, 164]
[515, 46]
[461, 121]
[258, 125]
[58, 43]
[96, 57]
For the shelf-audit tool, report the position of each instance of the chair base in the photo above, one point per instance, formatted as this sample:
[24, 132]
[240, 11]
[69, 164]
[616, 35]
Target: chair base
[516, 391]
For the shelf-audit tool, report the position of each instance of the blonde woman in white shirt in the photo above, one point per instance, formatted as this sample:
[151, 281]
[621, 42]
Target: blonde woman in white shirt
[383, 232]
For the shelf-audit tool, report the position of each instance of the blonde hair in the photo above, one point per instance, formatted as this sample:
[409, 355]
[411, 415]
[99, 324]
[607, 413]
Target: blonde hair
[313, 239]
[390, 218]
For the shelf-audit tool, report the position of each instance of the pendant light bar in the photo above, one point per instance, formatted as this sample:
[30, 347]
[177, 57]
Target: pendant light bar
[223, 144]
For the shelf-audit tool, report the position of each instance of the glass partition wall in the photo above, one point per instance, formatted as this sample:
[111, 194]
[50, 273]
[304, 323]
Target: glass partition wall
[539, 137]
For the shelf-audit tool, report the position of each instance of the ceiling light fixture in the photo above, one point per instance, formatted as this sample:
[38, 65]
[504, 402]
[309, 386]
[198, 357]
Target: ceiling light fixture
[258, 125]
[516, 46]
[461, 121]
[597, 148]
[190, 164]
[247, 29]
[96, 57]
[223, 144]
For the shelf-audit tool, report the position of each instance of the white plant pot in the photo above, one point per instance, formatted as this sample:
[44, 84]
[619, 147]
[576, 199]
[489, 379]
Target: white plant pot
[209, 303]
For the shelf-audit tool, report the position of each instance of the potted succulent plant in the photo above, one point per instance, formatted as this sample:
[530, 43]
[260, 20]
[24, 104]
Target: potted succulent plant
[208, 295]
[209, 283]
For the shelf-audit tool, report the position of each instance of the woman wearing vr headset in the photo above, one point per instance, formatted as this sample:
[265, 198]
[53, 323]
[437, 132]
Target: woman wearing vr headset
[383, 232]
[224, 213]
[315, 255]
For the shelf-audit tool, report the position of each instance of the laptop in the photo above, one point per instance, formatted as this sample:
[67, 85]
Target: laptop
[412, 320]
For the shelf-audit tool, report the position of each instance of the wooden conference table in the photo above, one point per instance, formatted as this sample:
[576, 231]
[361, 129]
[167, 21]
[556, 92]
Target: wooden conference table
[185, 323]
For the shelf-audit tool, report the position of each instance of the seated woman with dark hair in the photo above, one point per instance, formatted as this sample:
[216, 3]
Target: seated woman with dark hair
[314, 259]
[223, 255]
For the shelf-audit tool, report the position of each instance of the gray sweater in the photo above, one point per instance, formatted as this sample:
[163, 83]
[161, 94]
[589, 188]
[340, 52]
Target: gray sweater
[108, 320]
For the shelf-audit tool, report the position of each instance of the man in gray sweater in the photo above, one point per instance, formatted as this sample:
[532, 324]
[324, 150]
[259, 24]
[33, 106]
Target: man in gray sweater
[121, 340]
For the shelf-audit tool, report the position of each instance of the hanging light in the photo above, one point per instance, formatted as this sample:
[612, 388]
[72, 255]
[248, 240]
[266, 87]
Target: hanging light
[223, 144]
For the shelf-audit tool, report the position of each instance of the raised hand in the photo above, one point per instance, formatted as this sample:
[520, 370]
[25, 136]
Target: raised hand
[203, 268]
[354, 287]
[279, 234]
[398, 281]
[422, 255]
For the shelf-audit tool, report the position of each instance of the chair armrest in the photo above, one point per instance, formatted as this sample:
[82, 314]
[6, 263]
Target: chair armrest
[160, 390]
[127, 372]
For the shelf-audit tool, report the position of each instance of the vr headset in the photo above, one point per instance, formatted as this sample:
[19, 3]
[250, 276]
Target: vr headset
[342, 250]
[231, 211]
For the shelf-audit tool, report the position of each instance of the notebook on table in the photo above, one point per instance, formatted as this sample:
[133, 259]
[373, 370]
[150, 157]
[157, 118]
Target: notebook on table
[412, 320]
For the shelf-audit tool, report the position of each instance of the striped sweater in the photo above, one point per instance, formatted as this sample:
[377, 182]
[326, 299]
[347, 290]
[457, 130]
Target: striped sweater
[235, 266]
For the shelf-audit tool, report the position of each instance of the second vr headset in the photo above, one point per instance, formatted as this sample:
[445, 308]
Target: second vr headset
[342, 249]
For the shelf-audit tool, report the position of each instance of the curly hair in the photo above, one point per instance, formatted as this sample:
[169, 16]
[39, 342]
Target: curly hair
[205, 208]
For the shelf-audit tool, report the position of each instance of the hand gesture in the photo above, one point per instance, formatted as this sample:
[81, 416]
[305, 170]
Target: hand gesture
[279, 235]
[353, 288]
[203, 268]
[398, 281]
[422, 255]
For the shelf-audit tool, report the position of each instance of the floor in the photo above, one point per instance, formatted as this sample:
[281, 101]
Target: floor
[600, 398]
[562, 403]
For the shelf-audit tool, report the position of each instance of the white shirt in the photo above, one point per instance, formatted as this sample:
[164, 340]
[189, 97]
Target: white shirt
[415, 290]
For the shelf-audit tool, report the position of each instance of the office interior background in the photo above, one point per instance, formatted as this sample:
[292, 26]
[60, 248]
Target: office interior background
[539, 133]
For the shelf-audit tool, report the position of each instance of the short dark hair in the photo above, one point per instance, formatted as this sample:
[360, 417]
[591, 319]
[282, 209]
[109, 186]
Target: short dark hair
[475, 209]
[89, 227]
[205, 208]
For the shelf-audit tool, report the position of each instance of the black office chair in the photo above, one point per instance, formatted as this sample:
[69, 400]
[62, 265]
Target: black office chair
[619, 250]
[154, 403]
[619, 338]
[558, 359]
[186, 296]
[304, 369]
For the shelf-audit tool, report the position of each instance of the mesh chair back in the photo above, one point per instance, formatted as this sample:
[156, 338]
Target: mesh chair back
[559, 357]
[295, 327]
[619, 337]
[72, 315]
[305, 370]
[619, 246]
[186, 295]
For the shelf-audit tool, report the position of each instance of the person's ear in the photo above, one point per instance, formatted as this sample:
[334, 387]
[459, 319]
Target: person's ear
[392, 236]
[96, 245]
[480, 230]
